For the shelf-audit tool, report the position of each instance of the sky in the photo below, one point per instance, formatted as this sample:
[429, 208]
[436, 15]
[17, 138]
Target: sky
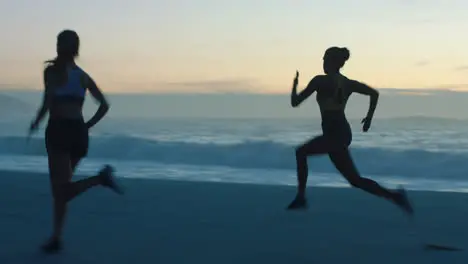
[238, 46]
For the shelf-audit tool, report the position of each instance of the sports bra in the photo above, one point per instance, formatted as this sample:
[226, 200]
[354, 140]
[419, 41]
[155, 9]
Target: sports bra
[73, 89]
[335, 98]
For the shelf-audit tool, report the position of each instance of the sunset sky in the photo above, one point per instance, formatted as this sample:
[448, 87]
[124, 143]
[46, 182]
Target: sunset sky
[238, 46]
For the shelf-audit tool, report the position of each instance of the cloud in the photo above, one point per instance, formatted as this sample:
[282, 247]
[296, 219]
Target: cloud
[231, 86]
[461, 68]
[435, 90]
[218, 86]
[422, 63]
[415, 93]
[420, 92]
[420, 21]
[452, 87]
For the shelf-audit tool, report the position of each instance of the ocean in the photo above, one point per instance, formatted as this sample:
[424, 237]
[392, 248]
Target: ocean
[419, 153]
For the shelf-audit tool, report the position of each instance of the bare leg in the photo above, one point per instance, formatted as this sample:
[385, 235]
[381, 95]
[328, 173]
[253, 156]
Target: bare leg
[345, 165]
[65, 191]
[104, 178]
[60, 173]
[61, 168]
[316, 146]
[74, 189]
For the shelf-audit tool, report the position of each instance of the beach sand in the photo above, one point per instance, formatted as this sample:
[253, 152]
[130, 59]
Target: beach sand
[167, 222]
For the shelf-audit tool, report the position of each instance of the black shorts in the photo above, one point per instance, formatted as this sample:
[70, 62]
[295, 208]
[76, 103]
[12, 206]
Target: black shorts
[339, 132]
[67, 136]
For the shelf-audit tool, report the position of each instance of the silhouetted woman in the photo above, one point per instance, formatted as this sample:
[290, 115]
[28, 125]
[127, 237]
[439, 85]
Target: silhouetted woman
[333, 90]
[66, 134]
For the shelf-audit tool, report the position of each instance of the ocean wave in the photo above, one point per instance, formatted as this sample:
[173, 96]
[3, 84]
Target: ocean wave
[257, 155]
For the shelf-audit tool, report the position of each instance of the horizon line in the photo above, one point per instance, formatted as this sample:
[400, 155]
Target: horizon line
[412, 91]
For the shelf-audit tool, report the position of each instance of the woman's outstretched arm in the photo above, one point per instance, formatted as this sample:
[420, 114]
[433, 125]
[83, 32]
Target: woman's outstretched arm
[297, 99]
[45, 104]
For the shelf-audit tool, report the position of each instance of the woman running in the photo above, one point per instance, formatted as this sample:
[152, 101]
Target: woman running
[66, 135]
[333, 90]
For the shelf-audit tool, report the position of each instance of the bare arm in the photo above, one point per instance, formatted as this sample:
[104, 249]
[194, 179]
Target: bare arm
[99, 97]
[45, 104]
[364, 89]
[297, 99]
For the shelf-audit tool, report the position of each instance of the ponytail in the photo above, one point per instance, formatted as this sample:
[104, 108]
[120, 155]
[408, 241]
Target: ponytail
[58, 66]
[68, 44]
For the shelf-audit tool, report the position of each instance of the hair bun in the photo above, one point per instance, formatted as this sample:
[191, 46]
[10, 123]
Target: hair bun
[345, 53]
